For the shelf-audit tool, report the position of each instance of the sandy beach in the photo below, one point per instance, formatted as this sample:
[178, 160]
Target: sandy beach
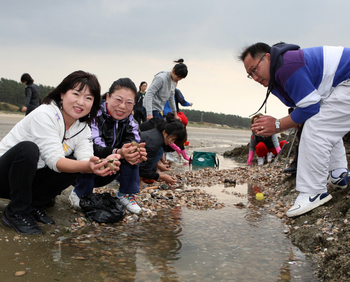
[7, 121]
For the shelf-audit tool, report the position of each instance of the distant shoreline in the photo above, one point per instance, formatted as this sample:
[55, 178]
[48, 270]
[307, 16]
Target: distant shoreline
[3, 113]
[19, 116]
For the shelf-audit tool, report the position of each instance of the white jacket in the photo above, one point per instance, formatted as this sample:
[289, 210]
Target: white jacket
[45, 127]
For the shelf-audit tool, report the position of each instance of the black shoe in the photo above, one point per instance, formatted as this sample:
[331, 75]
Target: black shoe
[40, 215]
[21, 223]
[50, 204]
[292, 168]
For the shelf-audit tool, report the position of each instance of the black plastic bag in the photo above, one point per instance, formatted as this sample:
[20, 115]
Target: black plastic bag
[102, 208]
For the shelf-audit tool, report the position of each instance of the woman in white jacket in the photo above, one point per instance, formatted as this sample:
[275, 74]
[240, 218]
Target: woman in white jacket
[44, 153]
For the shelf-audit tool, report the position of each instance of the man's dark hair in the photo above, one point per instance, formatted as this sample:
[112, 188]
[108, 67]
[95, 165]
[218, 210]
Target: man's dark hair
[254, 50]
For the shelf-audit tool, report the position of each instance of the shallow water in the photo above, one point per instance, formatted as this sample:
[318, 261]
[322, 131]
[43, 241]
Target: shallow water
[229, 244]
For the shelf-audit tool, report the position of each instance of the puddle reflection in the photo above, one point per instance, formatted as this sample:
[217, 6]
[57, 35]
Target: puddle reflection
[230, 244]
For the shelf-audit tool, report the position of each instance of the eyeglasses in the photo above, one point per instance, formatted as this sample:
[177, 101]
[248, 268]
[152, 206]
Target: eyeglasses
[254, 70]
[118, 101]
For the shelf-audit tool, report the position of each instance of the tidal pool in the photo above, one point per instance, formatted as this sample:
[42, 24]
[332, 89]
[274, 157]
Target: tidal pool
[228, 244]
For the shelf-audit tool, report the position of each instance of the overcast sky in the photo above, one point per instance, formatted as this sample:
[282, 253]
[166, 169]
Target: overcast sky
[137, 39]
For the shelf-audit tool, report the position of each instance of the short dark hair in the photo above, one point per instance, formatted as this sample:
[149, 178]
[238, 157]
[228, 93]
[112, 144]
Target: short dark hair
[254, 50]
[122, 83]
[27, 78]
[180, 69]
[74, 79]
[173, 127]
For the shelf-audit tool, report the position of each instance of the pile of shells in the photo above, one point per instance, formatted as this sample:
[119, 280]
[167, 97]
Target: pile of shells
[187, 193]
[268, 178]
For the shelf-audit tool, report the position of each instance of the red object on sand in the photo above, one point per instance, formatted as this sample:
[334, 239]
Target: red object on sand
[183, 118]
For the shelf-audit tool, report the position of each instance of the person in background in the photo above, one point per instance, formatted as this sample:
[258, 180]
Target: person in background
[113, 130]
[179, 99]
[178, 146]
[165, 133]
[316, 81]
[32, 93]
[139, 111]
[265, 147]
[44, 153]
[162, 89]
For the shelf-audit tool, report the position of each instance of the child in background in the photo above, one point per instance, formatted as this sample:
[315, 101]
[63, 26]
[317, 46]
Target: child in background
[265, 147]
[165, 133]
[180, 150]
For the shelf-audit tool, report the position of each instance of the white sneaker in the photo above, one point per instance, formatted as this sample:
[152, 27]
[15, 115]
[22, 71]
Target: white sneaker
[170, 157]
[261, 160]
[339, 182]
[129, 203]
[306, 202]
[74, 200]
[269, 157]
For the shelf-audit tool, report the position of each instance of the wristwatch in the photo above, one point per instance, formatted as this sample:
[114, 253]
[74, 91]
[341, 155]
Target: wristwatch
[278, 125]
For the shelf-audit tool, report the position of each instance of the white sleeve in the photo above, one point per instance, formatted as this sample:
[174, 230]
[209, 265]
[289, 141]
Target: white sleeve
[47, 134]
[83, 149]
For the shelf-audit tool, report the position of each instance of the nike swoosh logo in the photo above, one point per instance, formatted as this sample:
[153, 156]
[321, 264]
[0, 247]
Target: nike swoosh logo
[314, 198]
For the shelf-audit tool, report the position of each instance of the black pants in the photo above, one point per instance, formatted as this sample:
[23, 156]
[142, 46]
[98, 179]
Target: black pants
[296, 150]
[127, 176]
[140, 116]
[24, 184]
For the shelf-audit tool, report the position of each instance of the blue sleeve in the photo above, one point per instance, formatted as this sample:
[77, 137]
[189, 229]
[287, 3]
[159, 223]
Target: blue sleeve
[304, 94]
[301, 89]
[180, 98]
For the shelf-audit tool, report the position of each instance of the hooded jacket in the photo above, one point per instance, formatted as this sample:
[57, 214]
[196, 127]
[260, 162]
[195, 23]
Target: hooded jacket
[162, 89]
[109, 134]
[302, 78]
[46, 128]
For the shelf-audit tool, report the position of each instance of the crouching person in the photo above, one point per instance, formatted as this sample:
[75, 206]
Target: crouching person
[113, 130]
[44, 153]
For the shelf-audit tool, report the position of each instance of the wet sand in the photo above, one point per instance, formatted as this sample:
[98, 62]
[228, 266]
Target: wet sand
[230, 252]
[7, 121]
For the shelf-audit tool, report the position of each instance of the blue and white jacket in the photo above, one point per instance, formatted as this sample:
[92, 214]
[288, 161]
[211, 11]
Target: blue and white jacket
[302, 78]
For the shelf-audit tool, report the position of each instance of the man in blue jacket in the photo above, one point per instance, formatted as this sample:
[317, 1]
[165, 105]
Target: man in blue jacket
[316, 82]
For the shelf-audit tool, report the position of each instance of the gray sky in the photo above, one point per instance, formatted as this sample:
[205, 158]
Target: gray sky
[137, 39]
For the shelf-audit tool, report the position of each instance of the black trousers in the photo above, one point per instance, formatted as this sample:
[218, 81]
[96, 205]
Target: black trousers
[24, 184]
